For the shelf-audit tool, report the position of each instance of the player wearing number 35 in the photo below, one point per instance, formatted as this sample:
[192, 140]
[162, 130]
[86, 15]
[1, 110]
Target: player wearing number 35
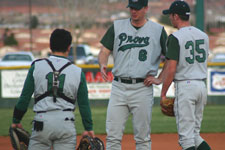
[136, 44]
[57, 85]
[186, 65]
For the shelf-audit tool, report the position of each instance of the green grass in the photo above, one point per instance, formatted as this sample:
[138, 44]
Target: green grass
[213, 121]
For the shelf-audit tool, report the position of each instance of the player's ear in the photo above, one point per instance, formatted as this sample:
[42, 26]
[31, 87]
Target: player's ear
[68, 49]
[146, 9]
[175, 16]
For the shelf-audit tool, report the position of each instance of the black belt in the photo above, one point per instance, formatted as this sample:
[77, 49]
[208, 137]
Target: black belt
[129, 81]
[54, 110]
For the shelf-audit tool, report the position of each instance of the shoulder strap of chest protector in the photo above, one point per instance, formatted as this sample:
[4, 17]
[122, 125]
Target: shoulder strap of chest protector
[54, 91]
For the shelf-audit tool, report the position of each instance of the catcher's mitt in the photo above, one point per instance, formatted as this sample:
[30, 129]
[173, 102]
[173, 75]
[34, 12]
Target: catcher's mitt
[89, 143]
[19, 138]
[167, 106]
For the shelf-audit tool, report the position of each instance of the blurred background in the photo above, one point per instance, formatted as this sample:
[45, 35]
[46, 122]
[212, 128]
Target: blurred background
[25, 28]
[25, 25]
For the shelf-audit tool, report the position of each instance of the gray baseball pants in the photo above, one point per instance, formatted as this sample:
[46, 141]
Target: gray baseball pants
[191, 97]
[58, 131]
[137, 100]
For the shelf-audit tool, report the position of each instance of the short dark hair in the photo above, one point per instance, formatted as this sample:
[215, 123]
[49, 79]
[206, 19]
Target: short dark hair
[184, 18]
[60, 40]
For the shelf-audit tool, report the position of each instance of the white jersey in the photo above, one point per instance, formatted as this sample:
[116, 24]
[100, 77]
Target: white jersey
[193, 54]
[69, 81]
[136, 52]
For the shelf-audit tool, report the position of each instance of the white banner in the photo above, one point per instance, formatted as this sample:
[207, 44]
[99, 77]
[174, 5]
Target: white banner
[99, 90]
[12, 82]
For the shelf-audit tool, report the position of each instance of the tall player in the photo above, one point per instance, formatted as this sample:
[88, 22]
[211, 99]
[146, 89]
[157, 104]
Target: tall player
[186, 65]
[136, 44]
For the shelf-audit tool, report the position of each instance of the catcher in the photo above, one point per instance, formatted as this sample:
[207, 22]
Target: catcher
[57, 85]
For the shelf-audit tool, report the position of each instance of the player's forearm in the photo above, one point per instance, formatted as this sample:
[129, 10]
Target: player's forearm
[86, 117]
[149, 80]
[168, 76]
[18, 115]
[25, 97]
[165, 87]
[83, 103]
[103, 57]
[85, 113]
[162, 74]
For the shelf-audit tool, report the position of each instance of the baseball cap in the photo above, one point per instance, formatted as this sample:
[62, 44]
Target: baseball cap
[137, 4]
[179, 7]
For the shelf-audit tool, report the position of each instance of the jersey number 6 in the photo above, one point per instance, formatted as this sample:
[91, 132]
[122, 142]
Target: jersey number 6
[142, 55]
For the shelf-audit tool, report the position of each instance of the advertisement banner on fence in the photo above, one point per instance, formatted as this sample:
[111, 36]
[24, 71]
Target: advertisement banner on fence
[12, 82]
[99, 90]
[216, 82]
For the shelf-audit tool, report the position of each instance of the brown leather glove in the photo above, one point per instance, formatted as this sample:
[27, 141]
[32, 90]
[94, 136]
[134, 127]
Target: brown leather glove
[167, 106]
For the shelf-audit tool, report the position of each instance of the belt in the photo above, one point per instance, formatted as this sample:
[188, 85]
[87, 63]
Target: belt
[54, 110]
[191, 80]
[129, 80]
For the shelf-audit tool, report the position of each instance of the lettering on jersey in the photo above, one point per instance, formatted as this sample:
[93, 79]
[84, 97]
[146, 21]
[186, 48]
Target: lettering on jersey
[129, 42]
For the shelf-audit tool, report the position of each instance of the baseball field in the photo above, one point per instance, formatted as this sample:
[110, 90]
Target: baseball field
[163, 128]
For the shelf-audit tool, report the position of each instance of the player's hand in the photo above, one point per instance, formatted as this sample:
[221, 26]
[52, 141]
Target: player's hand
[103, 72]
[149, 80]
[162, 98]
[19, 125]
[89, 133]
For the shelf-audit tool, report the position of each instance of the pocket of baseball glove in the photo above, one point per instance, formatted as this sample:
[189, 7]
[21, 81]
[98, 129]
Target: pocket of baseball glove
[167, 106]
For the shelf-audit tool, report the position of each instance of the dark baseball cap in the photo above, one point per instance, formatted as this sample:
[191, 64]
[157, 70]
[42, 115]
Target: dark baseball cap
[137, 4]
[179, 7]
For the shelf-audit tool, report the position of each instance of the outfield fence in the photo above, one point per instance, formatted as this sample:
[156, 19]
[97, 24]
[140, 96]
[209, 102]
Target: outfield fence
[12, 80]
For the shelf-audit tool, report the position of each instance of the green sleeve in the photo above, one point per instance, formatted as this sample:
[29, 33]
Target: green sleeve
[108, 39]
[173, 48]
[83, 103]
[163, 39]
[25, 97]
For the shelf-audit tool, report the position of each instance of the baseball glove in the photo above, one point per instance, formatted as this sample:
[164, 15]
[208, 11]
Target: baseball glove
[89, 143]
[19, 138]
[167, 106]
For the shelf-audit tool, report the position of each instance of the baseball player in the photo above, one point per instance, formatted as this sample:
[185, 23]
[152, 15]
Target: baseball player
[56, 85]
[186, 65]
[136, 44]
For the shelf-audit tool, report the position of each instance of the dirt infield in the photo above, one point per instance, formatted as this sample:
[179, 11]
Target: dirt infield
[159, 141]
